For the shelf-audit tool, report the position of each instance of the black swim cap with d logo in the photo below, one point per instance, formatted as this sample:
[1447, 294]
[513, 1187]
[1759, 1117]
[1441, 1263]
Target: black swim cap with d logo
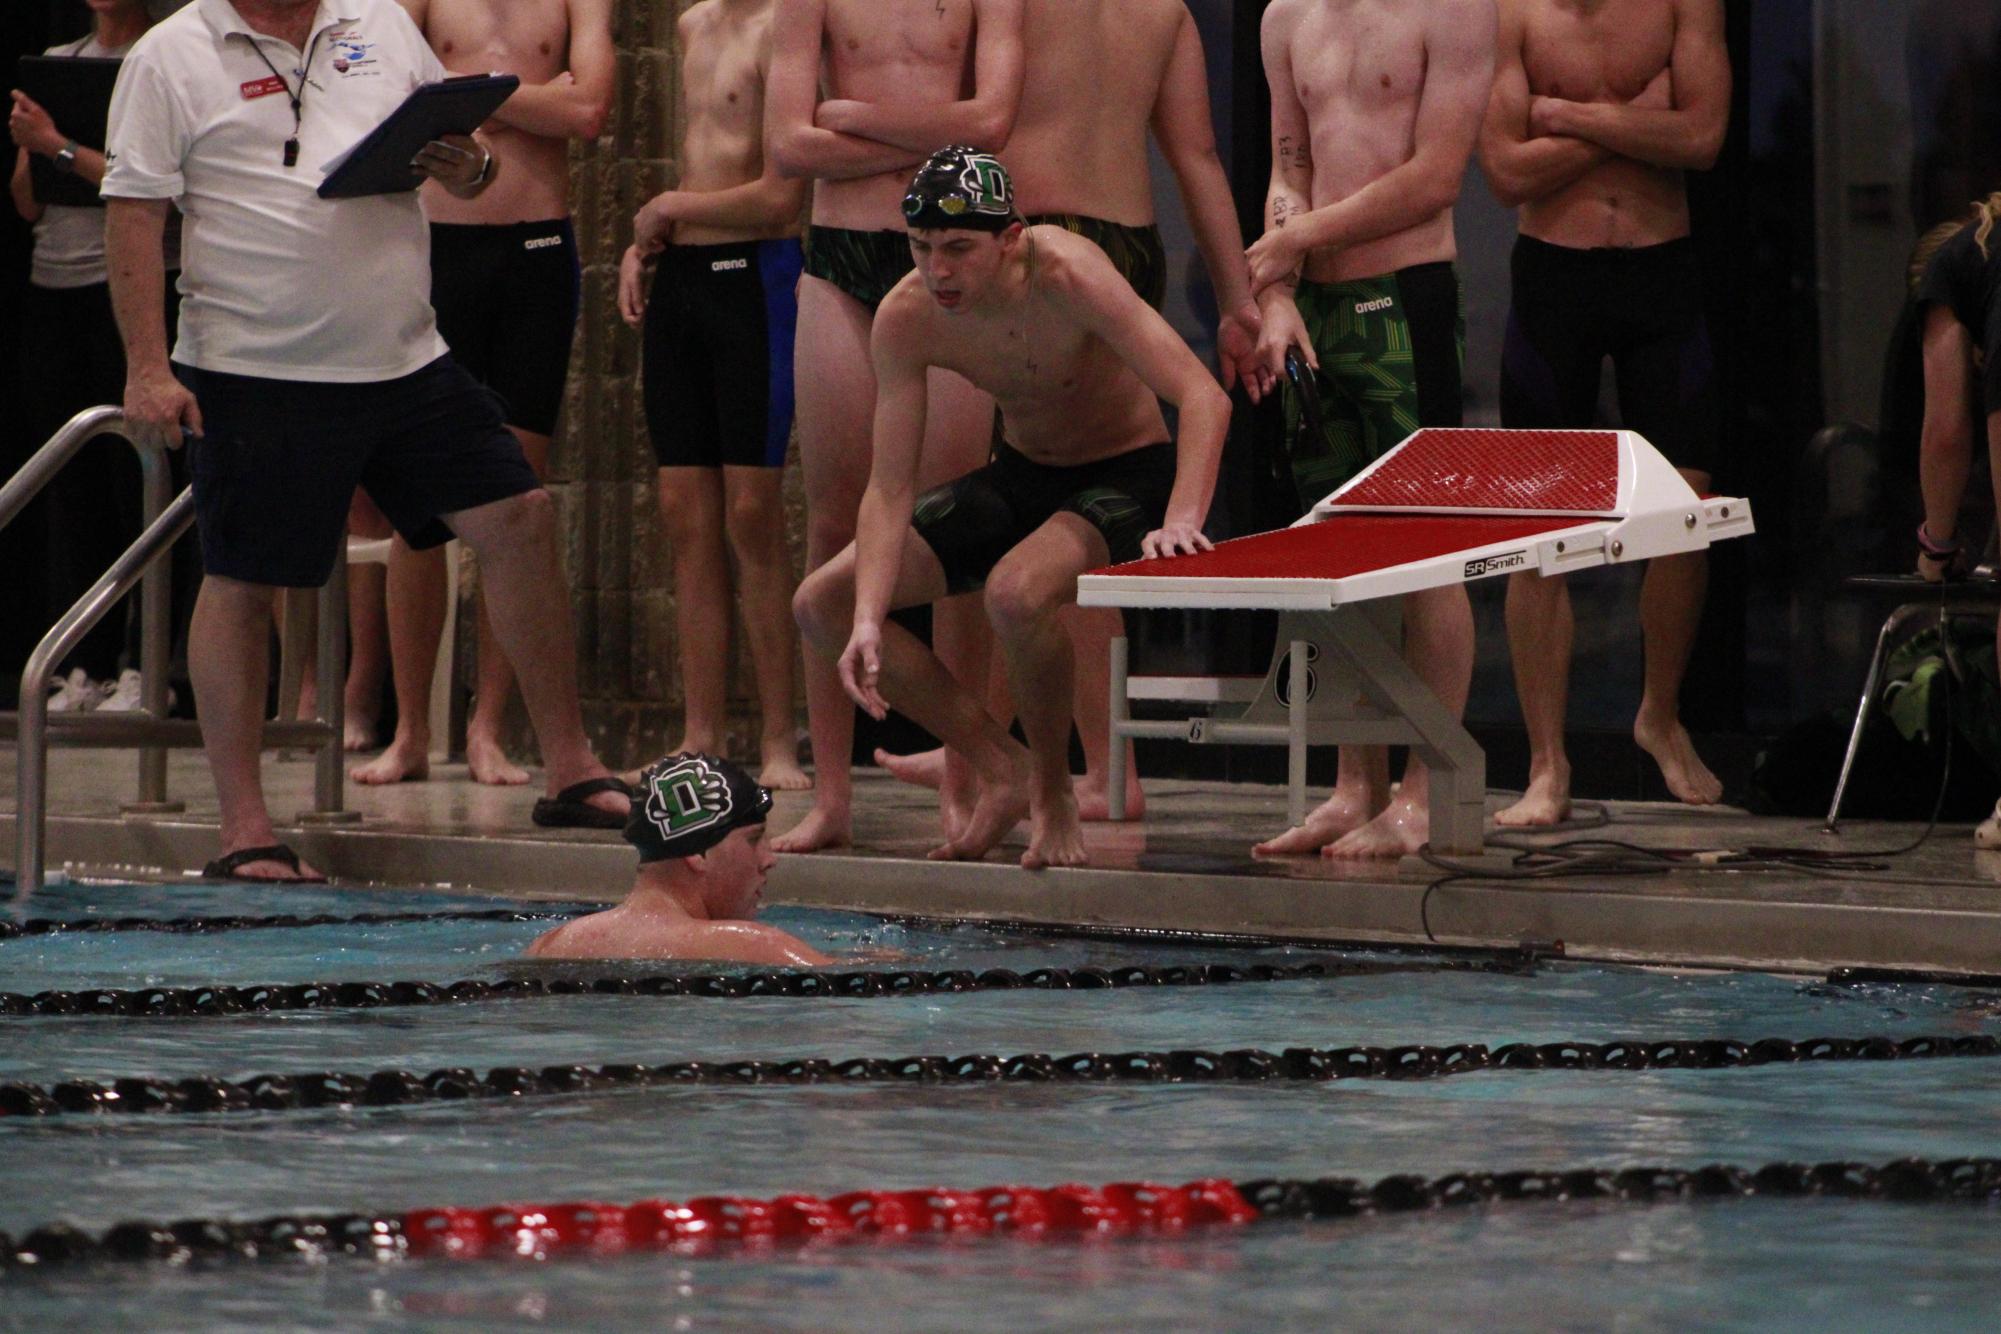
[960, 187]
[686, 804]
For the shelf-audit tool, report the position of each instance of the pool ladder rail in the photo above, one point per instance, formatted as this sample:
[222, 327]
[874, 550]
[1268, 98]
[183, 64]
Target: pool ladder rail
[148, 730]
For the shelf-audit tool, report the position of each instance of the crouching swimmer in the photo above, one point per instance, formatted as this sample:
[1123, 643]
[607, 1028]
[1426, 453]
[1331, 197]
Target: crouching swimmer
[1077, 364]
[698, 823]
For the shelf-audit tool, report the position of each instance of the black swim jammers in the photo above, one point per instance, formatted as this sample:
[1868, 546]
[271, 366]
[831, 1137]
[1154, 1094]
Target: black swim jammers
[971, 523]
[507, 296]
[717, 349]
[1640, 306]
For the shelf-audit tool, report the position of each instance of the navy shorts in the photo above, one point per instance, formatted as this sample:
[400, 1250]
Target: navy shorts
[507, 296]
[277, 463]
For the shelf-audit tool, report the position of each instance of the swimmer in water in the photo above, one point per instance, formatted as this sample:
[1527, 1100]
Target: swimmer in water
[698, 823]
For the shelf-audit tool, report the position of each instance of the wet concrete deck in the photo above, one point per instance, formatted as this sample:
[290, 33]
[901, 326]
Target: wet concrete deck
[1187, 868]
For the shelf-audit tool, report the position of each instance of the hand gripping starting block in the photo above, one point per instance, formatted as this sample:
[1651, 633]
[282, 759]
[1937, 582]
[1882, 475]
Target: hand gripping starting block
[1447, 506]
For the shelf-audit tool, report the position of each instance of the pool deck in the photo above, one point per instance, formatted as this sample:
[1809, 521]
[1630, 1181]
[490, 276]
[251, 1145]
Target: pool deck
[1186, 869]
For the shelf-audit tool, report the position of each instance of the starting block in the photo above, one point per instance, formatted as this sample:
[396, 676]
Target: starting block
[1447, 506]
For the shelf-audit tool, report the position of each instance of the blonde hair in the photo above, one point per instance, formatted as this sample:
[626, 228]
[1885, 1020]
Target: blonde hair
[1986, 210]
[1983, 217]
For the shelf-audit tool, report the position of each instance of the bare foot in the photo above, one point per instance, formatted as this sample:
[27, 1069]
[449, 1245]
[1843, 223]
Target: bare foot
[489, 763]
[924, 769]
[1341, 814]
[406, 761]
[1003, 801]
[820, 829]
[1400, 830]
[1546, 802]
[357, 732]
[780, 772]
[1685, 773]
[958, 796]
[1055, 837]
[1094, 798]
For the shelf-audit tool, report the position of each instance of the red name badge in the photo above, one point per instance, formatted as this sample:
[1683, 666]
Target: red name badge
[263, 87]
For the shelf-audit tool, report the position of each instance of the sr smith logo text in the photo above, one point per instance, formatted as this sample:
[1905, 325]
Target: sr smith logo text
[1514, 560]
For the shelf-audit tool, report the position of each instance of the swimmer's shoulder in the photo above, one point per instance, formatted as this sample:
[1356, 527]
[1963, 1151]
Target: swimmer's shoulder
[903, 316]
[1071, 268]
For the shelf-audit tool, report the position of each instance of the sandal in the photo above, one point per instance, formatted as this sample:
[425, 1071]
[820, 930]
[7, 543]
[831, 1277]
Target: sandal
[228, 867]
[568, 809]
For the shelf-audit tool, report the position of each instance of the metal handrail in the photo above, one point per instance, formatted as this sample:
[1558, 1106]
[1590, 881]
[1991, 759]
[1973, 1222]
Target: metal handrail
[155, 599]
[165, 524]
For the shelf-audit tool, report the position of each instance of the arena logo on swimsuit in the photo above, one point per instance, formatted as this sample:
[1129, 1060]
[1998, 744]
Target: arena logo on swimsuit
[1495, 564]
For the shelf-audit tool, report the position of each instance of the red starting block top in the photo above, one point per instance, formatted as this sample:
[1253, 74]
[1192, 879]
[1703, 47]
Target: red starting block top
[1340, 547]
[1447, 506]
[1504, 472]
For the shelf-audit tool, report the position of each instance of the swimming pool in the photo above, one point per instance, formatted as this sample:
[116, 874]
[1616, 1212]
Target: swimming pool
[1786, 1263]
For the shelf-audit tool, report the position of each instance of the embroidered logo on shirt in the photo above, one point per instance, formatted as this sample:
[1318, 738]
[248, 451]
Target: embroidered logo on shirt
[263, 87]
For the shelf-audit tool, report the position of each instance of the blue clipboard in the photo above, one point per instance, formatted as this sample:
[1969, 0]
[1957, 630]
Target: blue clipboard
[380, 163]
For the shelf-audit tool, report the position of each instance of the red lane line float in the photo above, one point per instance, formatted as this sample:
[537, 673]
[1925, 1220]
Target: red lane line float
[542, 1231]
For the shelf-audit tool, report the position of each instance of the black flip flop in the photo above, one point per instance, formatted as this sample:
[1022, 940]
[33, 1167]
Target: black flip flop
[568, 809]
[228, 868]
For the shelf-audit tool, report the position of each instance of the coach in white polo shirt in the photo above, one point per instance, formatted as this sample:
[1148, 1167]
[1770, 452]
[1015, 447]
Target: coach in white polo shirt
[308, 362]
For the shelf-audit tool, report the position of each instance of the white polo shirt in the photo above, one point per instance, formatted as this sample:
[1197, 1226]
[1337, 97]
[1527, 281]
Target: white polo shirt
[276, 281]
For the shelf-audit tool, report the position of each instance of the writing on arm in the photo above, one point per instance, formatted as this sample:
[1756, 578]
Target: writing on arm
[1521, 166]
[984, 120]
[1291, 190]
[1459, 45]
[801, 149]
[1686, 134]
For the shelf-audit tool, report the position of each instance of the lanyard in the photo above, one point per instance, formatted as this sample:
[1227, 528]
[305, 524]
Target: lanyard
[298, 98]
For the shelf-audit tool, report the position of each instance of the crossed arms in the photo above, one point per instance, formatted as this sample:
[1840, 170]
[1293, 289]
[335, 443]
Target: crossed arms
[844, 139]
[1532, 146]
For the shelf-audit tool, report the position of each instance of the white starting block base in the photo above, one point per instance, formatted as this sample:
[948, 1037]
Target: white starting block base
[1337, 678]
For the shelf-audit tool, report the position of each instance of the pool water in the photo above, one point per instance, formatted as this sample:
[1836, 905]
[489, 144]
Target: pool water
[1786, 1264]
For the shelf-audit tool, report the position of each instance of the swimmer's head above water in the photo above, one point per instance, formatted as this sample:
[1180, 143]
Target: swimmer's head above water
[702, 817]
[962, 222]
[698, 825]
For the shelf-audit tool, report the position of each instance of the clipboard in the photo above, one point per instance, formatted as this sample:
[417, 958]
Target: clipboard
[380, 163]
[76, 92]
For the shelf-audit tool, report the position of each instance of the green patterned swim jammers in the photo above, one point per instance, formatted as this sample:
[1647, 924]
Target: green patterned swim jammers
[1391, 349]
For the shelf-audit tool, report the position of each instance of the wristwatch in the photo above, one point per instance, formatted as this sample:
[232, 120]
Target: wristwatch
[65, 157]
